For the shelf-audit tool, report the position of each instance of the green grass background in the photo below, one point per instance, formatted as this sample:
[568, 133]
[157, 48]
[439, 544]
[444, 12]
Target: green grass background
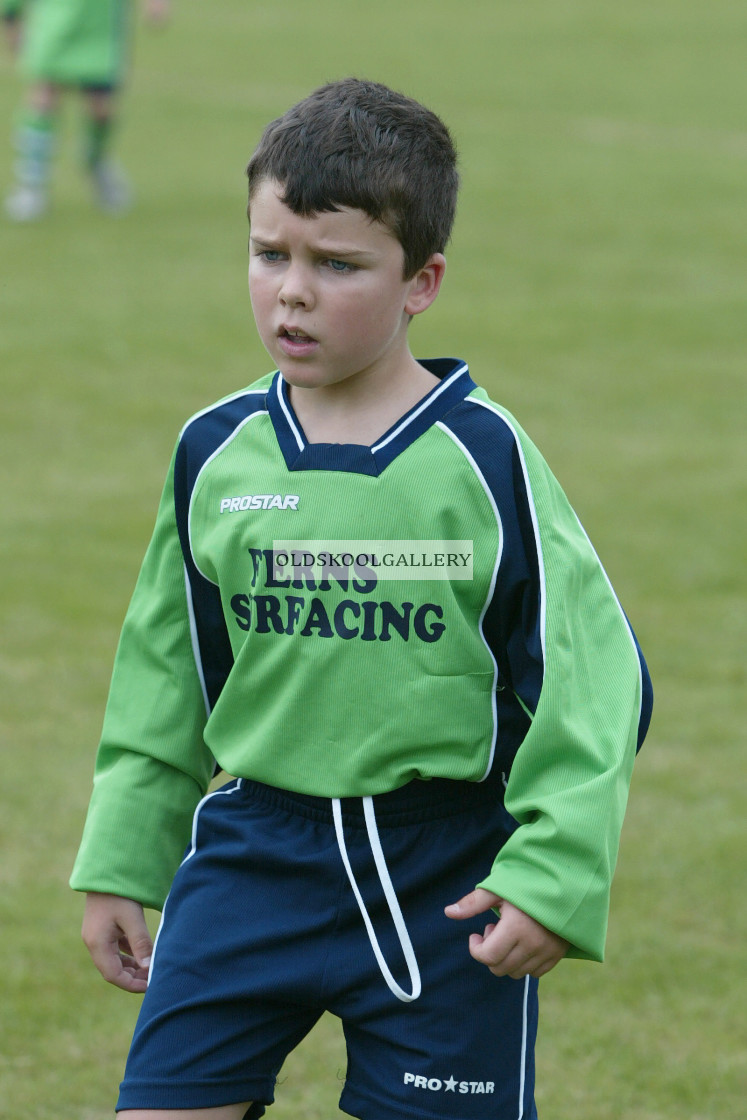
[596, 283]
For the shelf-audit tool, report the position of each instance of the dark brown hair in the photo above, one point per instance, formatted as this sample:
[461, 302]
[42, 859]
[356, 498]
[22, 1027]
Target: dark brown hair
[360, 144]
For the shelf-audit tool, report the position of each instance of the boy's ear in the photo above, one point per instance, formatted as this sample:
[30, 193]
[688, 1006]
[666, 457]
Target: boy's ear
[425, 284]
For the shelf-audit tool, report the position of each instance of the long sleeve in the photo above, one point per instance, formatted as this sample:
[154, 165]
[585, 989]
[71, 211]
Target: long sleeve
[152, 765]
[571, 665]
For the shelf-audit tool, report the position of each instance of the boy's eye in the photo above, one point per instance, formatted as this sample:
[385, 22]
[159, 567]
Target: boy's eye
[340, 266]
[271, 255]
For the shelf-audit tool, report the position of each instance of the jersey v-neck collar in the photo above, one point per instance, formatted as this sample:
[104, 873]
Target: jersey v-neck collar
[454, 385]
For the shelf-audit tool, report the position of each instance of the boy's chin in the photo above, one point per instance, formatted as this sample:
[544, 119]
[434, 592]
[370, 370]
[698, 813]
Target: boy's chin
[300, 376]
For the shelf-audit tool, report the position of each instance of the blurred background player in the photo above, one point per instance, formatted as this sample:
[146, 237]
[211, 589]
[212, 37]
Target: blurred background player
[62, 45]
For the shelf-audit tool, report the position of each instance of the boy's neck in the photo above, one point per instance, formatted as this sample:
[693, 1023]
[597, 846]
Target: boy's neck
[360, 410]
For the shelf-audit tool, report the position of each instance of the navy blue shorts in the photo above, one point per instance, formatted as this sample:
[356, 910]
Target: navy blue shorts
[278, 914]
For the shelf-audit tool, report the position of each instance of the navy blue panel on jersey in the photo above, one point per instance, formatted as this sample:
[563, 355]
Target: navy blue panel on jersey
[456, 384]
[201, 439]
[351, 457]
[647, 697]
[647, 692]
[300, 455]
[512, 621]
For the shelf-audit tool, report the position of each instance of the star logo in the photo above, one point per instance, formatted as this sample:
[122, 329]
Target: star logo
[450, 1085]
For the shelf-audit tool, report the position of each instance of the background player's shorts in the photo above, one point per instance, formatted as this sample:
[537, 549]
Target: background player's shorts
[262, 933]
[77, 42]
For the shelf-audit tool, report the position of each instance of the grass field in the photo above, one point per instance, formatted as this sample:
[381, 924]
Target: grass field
[597, 284]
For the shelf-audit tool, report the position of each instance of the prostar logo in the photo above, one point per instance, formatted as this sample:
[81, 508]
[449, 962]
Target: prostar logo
[448, 1085]
[259, 501]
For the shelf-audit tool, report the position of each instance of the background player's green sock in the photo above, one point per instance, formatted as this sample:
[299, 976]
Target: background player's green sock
[34, 143]
[96, 141]
[111, 188]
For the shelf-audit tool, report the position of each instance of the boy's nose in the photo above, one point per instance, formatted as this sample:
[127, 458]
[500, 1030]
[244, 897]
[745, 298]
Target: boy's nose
[296, 291]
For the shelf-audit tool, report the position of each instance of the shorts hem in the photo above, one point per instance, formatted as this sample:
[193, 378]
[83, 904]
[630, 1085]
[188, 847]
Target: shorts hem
[204, 1094]
[363, 1107]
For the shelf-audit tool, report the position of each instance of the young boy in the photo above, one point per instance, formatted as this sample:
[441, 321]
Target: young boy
[69, 44]
[367, 598]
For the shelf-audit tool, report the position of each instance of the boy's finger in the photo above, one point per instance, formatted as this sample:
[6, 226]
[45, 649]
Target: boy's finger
[138, 942]
[134, 933]
[493, 946]
[476, 902]
[122, 972]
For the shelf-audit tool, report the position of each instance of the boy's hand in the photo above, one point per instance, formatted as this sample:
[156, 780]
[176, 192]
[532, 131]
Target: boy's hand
[517, 945]
[118, 940]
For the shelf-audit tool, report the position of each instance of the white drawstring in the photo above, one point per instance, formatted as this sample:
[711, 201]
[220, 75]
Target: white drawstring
[391, 897]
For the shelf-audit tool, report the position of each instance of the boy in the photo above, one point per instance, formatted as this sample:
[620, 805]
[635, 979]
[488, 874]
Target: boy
[69, 44]
[367, 597]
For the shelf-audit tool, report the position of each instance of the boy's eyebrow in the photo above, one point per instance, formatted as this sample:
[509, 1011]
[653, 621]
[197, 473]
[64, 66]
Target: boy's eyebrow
[338, 252]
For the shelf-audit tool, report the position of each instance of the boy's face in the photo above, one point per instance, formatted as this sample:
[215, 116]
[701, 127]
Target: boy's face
[327, 292]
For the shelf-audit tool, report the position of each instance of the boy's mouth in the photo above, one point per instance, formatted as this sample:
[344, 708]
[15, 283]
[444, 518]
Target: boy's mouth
[294, 342]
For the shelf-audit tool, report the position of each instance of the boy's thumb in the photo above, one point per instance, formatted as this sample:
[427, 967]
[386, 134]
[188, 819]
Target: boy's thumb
[141, 945]
[143, 954]
[476, 902]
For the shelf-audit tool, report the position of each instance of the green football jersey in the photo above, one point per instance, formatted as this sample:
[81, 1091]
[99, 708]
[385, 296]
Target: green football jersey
[339, 620]
[75, 42]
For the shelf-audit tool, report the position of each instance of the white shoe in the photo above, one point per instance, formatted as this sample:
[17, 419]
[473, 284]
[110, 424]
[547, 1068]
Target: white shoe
[111, 188]
[26, 204]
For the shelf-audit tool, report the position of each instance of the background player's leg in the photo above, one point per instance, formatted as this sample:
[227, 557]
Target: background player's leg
[111, 189]
[34, 138]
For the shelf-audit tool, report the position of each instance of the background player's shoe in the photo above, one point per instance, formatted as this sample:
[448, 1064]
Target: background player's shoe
[111, 189]
[26, 203]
